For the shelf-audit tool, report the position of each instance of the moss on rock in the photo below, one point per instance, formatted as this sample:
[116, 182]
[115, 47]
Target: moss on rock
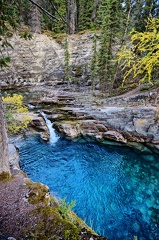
[38, 193]
[52, 226]
[5, 176]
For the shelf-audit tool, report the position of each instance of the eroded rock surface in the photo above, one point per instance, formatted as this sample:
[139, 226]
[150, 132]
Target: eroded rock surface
[41, 60]
[124, 124]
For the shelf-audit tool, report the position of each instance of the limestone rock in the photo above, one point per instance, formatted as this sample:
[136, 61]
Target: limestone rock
[120, 124]
[38, 123]
[14, 158]
[41, 60]
[68, 129]
[114, 135]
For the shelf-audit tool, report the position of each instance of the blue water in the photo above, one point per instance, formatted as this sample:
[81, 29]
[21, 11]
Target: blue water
[115, 188]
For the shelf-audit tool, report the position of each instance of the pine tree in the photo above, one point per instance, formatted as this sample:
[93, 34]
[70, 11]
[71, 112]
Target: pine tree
[59, 26]
[142, 10]
[110, 16]
[85, 10]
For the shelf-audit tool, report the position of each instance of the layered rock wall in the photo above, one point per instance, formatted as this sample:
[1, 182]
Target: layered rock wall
[132, 125]
[41, 60]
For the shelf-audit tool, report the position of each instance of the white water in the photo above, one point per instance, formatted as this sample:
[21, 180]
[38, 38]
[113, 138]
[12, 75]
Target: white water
[53, 136]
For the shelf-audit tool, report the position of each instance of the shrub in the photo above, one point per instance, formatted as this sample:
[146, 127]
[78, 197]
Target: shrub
[65, 208]
[16, 113]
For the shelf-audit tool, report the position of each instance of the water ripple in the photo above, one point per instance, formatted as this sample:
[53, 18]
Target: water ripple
[116, 189]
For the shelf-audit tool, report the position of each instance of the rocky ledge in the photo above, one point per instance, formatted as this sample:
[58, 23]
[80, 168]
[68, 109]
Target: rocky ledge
[122, 120]
[132, 126]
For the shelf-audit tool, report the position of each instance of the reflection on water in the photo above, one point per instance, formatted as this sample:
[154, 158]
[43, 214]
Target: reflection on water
[116, 189]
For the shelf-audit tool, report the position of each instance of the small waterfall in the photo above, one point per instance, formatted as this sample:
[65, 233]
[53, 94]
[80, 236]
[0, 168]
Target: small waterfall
[53, 136]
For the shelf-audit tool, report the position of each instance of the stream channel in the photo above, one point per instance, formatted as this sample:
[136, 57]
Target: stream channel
[115, 188]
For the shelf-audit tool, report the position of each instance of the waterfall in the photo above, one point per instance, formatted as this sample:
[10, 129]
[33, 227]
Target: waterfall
[53, 136]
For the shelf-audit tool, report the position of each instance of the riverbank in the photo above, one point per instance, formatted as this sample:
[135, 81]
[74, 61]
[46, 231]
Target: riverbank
[29, 212]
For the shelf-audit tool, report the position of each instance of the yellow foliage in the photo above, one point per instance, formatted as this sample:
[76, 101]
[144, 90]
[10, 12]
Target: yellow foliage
[14, 103]
[143, 59]
[16, 113]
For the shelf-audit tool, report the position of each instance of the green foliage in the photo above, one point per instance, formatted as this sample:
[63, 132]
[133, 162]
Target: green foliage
[8, 21]
[142, 60]
[85, 9]
[109, 19]
[37, 193]
[16, 113]
[8, 17]
[26, 35]
[65, 208]
[142, 10]
[60, 26]
[51, 226]
[4, 62]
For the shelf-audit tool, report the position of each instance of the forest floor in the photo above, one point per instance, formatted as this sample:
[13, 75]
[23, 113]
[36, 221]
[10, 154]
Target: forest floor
[14, 208]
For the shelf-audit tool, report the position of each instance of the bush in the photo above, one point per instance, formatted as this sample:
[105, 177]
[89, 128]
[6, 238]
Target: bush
[65, 208]
[16, 113]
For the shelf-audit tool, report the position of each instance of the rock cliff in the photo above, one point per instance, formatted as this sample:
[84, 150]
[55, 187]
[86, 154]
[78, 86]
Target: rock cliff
[41, 60]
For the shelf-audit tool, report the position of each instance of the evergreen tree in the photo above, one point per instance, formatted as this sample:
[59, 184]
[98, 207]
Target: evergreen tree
[110, 32]
[60, 26]
[142, 10]
[85, 11]
[48, 23]
[23, 8]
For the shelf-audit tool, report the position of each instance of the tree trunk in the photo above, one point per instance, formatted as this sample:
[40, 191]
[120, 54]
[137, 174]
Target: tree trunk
[34, 18]
[72, 16]
[4, 159]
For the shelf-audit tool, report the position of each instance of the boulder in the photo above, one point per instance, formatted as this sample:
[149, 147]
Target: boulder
[69, 129]
[38, 123]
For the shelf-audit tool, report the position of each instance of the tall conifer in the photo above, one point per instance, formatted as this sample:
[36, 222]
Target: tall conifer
[110, 17]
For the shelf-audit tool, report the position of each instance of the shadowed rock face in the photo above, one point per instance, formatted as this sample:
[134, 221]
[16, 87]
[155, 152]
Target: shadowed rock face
[4, 160]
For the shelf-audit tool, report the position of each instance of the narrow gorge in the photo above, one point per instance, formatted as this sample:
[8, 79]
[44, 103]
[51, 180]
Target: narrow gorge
[105, 153]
